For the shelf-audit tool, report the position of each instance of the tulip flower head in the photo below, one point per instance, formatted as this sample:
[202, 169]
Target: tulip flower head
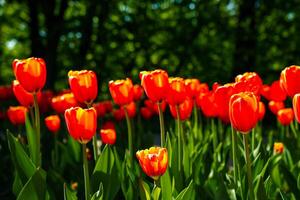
[285, 116]
[121, 91]
[31, 73]
[296, 107]
[17, 114]
[53, 123]
[81, 123]
[206, 101]
[155, 84]
[290, 79]
[62, 102]
[185, 109]
[146, 112]
[193, 87]
[278, 147]
[84, 85]
[275, 106]
[24, 98]
[137, 92]
[248, 82]
[243, 111]
[108, 133]
[153, 161]
[177, 92]
[261, 110]
[276, 92]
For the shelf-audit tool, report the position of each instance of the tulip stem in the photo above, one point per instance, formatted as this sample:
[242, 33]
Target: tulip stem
[234, 151]
[130, 147]
[248, 163]
[214, 134]
[86, 173]
[162, 125]
[37, 129]
[95, 147]
[179, 137]
[253, 139]
[195, 110]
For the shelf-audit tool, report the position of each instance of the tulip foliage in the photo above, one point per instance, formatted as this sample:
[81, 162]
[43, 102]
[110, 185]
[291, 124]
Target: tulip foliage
[163, 138]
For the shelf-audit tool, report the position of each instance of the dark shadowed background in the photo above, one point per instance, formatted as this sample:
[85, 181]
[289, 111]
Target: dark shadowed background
[212, 40]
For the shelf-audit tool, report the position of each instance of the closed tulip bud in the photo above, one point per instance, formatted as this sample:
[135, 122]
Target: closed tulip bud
[243, 111]
[285, 116]
[62, 102]
[185, 109]
[53, 123]
[121, 91]
[81, 123]
[278, 148]
[137, 92]
[206, 101]
[261, 110]
[276, 92]
[290, 79]
[31, 73]
[153, 161]
[17, 114]
[177, 91]
[193, 87]
[296, 107]
[24, 98]
[84, 85]
[265, 91]
[155, 84]
[248, 82]
[275, 106]
[108, 133]
[146, 112]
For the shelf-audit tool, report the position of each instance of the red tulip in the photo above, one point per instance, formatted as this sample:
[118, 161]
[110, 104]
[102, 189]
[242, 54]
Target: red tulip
[296, 106]
[154, 107]
[121, 91]
[53, 123]
[108, 106]
[31, 73]
[185, 109]
[278, 147]
[146, 112]
[276, 92]
[275, 106]
[206, 102]
[62, 102]
[155, 84]
[118, 114]
[24, 98]
[248, 82]
[6, 92]
[137, 92]
[285, 116]
[177, 91]
[108, 133]
[266, 92]
[261, 110]
[153, 161]
[84, 85]
[100, 108]
[81, 123]
[193, 87]
[131, 109]
[290, 79]
[16, 114]
[45, 101]
[243, 111]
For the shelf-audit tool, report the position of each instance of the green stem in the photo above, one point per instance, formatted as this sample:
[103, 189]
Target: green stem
[234, 151]
[95, 147]
[55, 150]
[37, 129]
[248, 163]
[86, 173]
[130, 145]
[179, 137]
[195, 120]
[253, 139]
[214, 134]
[162, 125]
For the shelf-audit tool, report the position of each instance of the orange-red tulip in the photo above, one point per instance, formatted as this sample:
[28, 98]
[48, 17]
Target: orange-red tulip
[108, 106]
[155, 84]
[285, 116]
[16, 114]
[118, 114]
[193, 87]
[177, 91]
[154, 107]
[6, 92]
[296, 107]
[121, 91]
[137, 92]
[206, 101]
[53, 123]
[185, 109]
[153, 161]
[275, 106]
[265, 91]
[243, 111]
[261, 110]
[81, 123]
[146, 112]
[278, 147]
[248, 82]
[276, 92]
[108, 133]
[62, 102]
[24, 98]
[45, 101]
[131, 109]
[290, 79]
[100, 108]
[84, 85]
[31, 73]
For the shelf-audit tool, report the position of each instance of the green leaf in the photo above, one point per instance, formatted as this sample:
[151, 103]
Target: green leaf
[99, 194]
[166, 186]
[35, 188]
[156, 193]
[69, 194]
[17, 185]
[144, 190]
[298, 182]
[75, 148]
[260, 191]
[32, 140]
[105, 172]
[22, 162]
[186, 193]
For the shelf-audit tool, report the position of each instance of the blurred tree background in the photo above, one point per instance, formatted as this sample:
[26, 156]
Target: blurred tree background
[212, 40]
